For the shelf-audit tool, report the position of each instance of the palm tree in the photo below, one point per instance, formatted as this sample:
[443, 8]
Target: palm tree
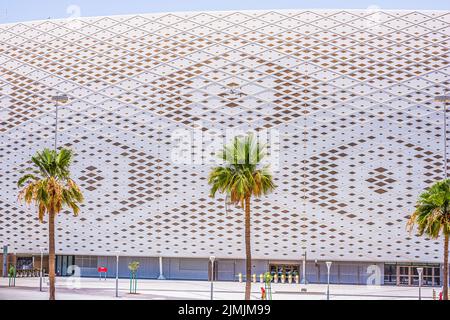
[432, 217]
[242, 177]
[50, 188]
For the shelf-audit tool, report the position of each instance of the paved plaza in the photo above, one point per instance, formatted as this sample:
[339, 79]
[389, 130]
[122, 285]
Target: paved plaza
[95, 289]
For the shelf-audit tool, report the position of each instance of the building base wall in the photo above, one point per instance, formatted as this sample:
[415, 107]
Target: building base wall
[229, 269]
[172, 268]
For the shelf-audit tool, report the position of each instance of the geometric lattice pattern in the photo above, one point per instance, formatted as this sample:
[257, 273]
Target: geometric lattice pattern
[350, 94]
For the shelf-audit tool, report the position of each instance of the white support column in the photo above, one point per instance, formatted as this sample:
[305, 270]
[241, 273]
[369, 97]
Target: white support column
[161, 275]
[304, 270]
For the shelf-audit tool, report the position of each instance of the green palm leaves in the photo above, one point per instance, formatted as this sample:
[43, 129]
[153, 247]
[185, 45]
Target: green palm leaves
[432, 215]
[50, 186]
[241, 176]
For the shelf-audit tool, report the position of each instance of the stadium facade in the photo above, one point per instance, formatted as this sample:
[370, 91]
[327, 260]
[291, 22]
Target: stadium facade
[344, 98]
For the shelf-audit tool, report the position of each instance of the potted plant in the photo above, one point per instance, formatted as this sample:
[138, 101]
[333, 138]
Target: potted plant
[268, 277]
[133, 267]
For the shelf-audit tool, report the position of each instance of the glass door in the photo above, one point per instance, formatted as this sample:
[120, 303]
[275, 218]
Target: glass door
[427, 278]
[390, 274]
[62, 263]
[403, 275]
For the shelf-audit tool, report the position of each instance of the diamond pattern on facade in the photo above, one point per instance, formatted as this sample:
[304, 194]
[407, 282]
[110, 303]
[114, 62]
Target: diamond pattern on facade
[350, 93]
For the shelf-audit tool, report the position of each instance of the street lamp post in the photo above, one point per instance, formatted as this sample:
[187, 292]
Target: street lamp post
[161, 274]
[58, 99]
[444, 99]
[304, 270]
[14, 259]
[212, 258]
[328, 278]
[419, 271]
[13, 252]
[117, 273]
[5, 260]
[40, 272]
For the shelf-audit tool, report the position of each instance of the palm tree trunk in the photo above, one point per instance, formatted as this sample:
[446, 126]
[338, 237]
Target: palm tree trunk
[445, 278]
[248, 251]
[51, 254]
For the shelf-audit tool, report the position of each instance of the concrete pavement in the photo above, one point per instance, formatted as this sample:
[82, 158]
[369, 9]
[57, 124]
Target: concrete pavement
[71, 288]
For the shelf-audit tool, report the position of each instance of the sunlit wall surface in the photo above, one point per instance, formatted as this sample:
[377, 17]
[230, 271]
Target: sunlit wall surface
[344, 99]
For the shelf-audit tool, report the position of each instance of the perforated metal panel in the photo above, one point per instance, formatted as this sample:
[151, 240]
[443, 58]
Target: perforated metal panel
[349, 92]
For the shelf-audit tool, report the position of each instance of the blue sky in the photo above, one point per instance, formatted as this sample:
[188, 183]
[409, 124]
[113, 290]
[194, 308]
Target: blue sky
[23, 10]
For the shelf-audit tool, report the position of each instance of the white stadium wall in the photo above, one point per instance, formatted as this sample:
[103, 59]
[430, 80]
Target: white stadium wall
[346, 96]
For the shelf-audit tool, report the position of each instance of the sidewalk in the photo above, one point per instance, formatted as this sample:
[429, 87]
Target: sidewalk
[94, 289]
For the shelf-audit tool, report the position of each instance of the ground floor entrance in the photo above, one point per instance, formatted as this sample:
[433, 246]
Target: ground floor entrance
[63, 265]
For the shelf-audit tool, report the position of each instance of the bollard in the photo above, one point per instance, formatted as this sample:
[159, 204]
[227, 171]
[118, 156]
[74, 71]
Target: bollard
[283, 278]
[240, 277]
[297, 279]
[261, 278]
[434, 294]
[290, 278]
[254, 278]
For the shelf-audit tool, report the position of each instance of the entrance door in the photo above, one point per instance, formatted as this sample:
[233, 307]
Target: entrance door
[62, 263]
[403, 275]
[390, 274]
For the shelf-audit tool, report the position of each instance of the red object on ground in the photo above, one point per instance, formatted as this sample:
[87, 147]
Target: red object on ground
[263, 294]
[102, 269]
[440, 295]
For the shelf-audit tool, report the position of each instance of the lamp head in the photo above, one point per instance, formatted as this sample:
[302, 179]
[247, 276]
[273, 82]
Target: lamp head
[328, 263]
[63, 98]
[443, 98]
[212, 258]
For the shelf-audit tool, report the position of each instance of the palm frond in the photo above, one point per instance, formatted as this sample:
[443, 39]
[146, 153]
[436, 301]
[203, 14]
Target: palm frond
[25, 179]
[51, 188]
[240, 176]
[432, 214]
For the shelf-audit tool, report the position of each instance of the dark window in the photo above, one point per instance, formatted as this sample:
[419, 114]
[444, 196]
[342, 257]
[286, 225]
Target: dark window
[390, 274]
[24, 263]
